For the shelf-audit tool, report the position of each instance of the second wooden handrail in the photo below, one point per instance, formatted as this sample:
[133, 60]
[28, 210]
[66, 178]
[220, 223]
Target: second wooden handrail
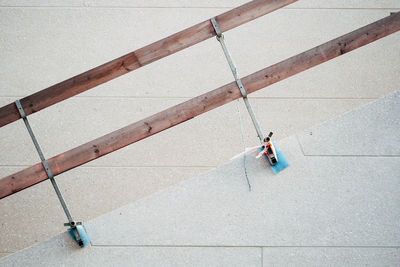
[198, 105]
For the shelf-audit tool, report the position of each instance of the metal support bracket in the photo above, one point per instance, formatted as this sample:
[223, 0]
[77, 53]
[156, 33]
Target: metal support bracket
[220, 38]
[46, 167]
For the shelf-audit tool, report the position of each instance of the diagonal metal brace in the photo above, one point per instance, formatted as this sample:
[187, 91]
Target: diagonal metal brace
[46, 167]
[220, 38]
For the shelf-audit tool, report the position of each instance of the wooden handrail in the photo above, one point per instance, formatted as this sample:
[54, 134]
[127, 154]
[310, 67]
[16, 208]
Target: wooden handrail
[136, 59]
[198, 105]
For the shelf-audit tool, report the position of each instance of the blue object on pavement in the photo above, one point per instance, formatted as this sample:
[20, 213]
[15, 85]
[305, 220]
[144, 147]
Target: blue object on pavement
[282, 162]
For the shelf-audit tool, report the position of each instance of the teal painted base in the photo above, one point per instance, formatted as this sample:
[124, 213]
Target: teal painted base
[282, 162]
[82, 233]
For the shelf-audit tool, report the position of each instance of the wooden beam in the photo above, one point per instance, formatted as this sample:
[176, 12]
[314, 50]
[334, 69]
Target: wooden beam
[198, 105]
[138, 58]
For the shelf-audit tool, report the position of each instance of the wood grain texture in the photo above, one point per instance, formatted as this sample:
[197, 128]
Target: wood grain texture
[139, 58]
[198, 105]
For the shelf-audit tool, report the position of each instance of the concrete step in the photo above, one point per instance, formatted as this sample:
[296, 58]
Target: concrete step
[337, 204]
[45, 42]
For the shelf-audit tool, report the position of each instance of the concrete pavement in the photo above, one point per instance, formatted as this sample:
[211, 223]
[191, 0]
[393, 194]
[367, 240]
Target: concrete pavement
[45, 42]
[324, 210]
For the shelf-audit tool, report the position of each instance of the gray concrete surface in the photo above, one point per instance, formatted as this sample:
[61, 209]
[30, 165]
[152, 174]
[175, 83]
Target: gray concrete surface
[332, 256]
[93, 191]
[45, 42]
[320, 211]
[4, 254]
[194, 4]
[131, 256]
[367, 132]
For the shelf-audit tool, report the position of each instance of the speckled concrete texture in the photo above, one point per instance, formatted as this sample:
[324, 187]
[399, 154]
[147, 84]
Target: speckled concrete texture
[201, 3]
[365, 132]
[48, 45]
[60, 251]
[4, 254]
[331, 256]
[212, 131]
[45, 42]
[320, 211]
[39, 204]
[318, 201]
